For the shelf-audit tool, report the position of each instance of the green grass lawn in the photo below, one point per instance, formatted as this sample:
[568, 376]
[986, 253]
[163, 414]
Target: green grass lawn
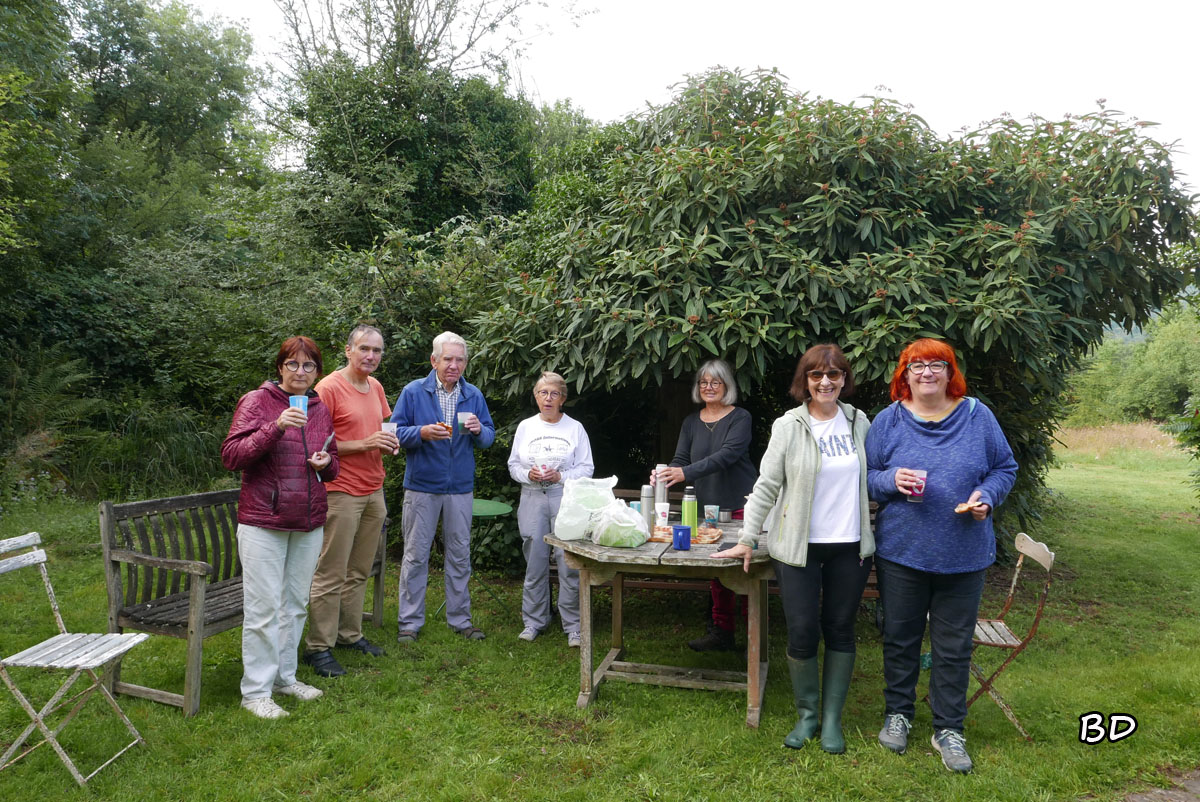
[445, 719]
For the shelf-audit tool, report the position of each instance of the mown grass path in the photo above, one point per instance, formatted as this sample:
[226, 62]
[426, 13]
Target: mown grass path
[450, 720]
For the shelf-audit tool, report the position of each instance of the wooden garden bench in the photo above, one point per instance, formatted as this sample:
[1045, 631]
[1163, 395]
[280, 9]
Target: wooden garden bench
[171, 568]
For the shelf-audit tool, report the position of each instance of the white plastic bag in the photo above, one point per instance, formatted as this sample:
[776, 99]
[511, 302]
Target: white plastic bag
[582, 501]
[618, 525]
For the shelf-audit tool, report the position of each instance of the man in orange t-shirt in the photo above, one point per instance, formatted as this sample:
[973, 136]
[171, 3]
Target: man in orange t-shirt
[356, 506]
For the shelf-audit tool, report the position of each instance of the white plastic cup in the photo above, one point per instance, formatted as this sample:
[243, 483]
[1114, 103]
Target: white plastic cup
[918, 490]
[662, 513]
[388, 427]
[463, 417]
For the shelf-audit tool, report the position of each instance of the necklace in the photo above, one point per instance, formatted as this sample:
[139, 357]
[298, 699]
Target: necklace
[712, 427]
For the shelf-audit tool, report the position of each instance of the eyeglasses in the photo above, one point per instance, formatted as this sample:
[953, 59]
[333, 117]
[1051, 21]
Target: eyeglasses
[936, 368]
[710, 384]
[549, 395]
[834, 374]
[296, 367]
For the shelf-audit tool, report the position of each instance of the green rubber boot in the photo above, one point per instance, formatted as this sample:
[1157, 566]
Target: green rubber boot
[839, 667]
[806, 691]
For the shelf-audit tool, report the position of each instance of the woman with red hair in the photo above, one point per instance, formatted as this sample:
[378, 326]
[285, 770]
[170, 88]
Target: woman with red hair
[939, 447]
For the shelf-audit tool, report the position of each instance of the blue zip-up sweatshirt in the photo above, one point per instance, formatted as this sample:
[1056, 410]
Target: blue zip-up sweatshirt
[439, 466]
[964, 452]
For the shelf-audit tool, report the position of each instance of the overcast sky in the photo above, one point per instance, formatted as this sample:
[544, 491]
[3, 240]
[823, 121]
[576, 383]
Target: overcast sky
[957, 63]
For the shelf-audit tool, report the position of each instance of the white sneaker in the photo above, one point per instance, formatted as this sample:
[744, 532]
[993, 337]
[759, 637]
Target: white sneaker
[528, 634]
[264, 708]
[299, 690]
[573, 640]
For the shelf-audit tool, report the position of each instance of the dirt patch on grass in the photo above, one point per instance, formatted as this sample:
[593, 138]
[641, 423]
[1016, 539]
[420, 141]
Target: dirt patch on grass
[1185, 788]
[560, 728]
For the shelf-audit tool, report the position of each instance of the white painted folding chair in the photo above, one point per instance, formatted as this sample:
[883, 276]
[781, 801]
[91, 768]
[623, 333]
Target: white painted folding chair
[78, 654]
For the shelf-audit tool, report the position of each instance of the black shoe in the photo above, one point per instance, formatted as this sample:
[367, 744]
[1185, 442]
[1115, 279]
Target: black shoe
[324, 664]
[365, 646]
[716, 640]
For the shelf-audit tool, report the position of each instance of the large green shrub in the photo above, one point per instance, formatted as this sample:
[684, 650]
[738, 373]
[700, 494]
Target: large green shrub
[746, 221]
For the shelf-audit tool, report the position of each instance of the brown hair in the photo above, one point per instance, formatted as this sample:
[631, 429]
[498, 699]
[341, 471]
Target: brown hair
[925, 350]
[294, 346]
[820, 357]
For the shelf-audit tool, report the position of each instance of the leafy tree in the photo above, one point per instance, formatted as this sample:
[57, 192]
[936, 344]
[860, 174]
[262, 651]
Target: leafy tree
[558, 127]
[746, 221]
[34, 140]
[387, 145]
[456, 36]
[181, 81]
[158, 116]
[1150, 379]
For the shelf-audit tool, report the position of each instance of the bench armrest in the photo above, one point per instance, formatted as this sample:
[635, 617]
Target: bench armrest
[194, 567]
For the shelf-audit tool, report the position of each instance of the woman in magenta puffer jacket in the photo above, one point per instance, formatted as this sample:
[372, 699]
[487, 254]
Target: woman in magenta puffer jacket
[285, 455]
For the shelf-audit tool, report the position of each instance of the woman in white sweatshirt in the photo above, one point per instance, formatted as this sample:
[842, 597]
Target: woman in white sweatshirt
[549, 447]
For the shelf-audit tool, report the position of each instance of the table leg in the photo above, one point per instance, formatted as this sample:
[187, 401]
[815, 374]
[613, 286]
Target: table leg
[618, 620]
[586, 691]
[756, 651]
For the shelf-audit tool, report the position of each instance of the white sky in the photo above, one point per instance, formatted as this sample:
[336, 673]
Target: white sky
[956, 62]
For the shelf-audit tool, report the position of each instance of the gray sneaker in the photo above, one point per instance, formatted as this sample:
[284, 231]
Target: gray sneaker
[952, 746]
[894, 735]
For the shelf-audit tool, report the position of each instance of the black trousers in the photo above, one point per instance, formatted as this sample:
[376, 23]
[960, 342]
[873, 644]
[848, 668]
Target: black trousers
[950, 603]
[821, 599]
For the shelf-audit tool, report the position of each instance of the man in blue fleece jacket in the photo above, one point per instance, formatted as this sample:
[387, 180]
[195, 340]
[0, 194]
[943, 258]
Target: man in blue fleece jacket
[439, 482]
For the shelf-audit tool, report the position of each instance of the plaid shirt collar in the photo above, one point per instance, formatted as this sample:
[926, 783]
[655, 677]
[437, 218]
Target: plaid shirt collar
[448, 401]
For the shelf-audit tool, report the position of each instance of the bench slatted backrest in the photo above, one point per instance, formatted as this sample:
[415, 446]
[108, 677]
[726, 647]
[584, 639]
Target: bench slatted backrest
[196, 527]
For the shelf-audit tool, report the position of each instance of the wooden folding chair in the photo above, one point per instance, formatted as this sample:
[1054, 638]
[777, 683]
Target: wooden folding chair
[996, 633]
[76, 653]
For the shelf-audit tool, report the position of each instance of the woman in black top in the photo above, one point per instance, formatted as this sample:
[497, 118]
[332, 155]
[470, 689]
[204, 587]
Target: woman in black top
[713, 455]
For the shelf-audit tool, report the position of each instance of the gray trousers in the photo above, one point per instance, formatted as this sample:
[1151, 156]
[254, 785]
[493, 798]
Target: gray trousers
[419, 521]
[535, 518]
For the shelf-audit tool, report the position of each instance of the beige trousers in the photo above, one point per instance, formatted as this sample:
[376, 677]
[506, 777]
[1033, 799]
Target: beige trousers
[352, 531]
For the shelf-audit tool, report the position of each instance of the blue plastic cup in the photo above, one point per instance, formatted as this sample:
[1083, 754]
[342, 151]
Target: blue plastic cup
[681, 537]
[300, 402]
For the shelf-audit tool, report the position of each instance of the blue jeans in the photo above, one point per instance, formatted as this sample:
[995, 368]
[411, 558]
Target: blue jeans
[951, 603]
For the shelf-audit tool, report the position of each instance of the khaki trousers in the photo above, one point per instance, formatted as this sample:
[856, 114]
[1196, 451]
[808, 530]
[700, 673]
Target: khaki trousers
[352, 531]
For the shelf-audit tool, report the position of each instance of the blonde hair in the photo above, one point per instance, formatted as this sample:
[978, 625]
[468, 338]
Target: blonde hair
[551, 378]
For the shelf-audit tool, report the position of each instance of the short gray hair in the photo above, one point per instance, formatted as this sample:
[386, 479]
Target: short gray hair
[553, 379]
[359, 331]
[449, 338]
[717, 369]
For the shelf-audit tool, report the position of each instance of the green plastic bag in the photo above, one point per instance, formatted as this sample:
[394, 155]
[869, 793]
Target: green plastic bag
[620, 526]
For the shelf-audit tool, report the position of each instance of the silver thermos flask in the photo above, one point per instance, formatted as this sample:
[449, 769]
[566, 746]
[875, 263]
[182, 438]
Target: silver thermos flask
[660, 487]
[648, 506]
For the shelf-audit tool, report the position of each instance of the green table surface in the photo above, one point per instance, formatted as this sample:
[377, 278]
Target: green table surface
[486, 508]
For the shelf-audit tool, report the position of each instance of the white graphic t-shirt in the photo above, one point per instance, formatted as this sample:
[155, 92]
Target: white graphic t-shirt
[835, 494]
[562, 446]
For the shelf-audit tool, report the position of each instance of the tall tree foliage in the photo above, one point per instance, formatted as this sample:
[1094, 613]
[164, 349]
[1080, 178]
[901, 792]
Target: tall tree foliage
[159, 116]
[389, 145]
[745, 221]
